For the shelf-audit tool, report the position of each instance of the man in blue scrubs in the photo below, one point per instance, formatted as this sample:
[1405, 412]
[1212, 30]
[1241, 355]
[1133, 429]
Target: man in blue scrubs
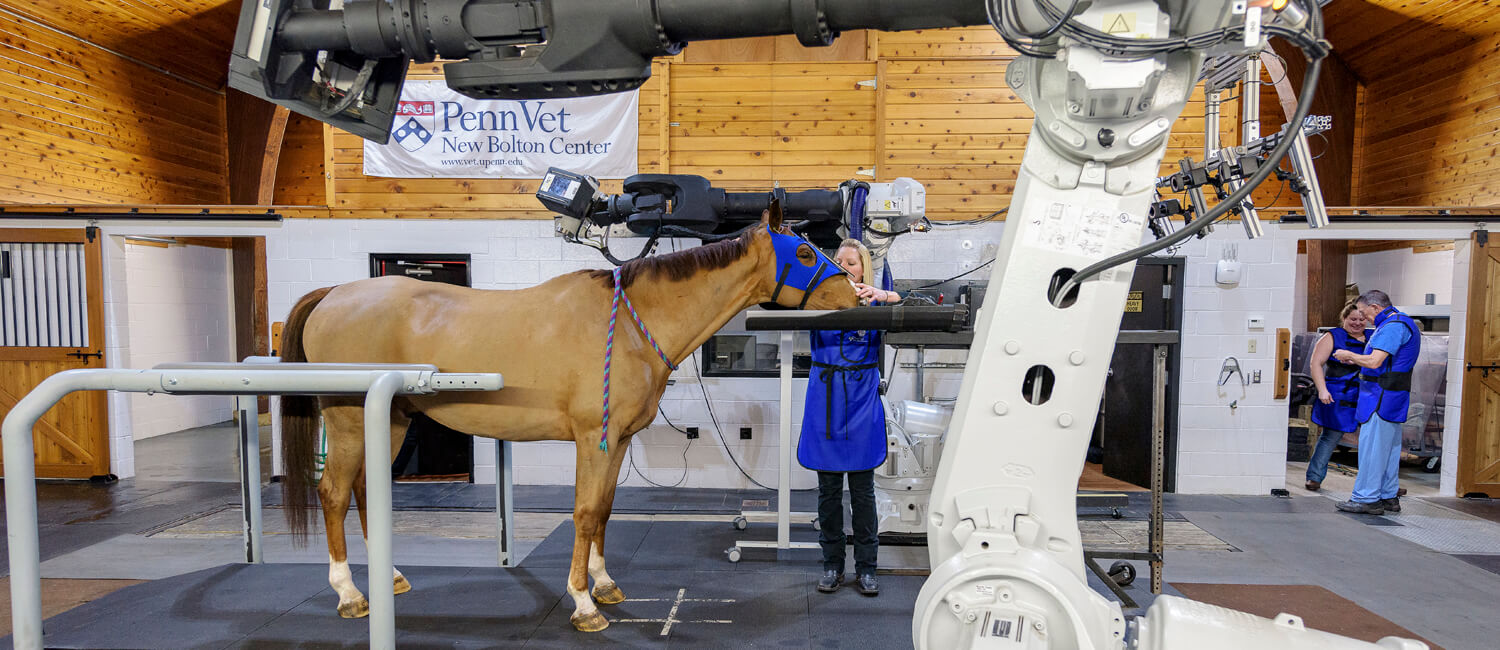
[1384, 397]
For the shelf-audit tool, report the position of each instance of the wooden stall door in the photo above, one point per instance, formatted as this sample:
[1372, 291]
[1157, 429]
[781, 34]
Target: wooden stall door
[1479, 453]
[51, 320]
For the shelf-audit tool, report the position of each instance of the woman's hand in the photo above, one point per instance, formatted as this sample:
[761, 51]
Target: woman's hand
[1324, 397]
[869, 293]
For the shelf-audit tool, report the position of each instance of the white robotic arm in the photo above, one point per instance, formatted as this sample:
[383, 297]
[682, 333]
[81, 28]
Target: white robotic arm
[1003, 537]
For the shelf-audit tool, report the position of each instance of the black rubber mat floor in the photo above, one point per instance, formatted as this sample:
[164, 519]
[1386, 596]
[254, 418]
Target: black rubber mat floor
[680, 591]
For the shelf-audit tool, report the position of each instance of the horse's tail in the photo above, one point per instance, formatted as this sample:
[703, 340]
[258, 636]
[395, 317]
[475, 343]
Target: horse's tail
[299, 426]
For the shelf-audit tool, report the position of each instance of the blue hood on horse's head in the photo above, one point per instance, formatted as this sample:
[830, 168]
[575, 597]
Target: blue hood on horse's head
[791, 272]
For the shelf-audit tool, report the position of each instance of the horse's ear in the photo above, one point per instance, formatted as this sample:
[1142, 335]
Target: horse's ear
[772, 215]
[773, 221]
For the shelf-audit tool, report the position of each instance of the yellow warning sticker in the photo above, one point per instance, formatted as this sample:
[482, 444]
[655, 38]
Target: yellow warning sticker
[1133, 302]
[1119, 23]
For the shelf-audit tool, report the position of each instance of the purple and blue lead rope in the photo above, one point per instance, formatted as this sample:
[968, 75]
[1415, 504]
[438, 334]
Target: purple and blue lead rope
[609, 348]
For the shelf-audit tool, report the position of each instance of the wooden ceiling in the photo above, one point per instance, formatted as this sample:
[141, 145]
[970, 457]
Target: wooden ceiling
[189, 38]
[192, 38]
[1375, 36]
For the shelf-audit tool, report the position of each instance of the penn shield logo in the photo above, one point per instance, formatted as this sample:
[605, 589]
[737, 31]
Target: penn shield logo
[414, 122]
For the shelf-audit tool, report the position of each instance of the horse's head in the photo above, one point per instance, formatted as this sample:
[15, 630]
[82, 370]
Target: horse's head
[798, 275]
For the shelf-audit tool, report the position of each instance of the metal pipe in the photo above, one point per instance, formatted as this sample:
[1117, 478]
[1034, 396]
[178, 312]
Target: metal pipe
[20, 489]
[249, 453]
[784, 447]
[505, 509]
[1250, 101]
[1211, 106]
[382, 572]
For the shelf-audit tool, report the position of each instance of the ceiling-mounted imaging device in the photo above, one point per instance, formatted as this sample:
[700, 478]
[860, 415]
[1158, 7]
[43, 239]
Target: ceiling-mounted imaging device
[345, 66]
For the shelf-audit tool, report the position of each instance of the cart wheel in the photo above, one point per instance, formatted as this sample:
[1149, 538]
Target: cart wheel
[1116, 513]
[740, 523]
[817, 525]
[733, 553]
[1123, 573]
[1433, 465]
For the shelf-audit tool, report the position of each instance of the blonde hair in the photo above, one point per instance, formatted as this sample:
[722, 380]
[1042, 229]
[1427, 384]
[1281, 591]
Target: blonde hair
[1348, 309]
[864, 259]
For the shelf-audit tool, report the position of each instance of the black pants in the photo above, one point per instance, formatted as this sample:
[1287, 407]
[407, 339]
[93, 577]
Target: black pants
[831, 519]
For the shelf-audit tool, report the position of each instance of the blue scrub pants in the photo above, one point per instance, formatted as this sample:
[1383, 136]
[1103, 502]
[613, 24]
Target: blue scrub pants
[1317, 466]
[1379, 461]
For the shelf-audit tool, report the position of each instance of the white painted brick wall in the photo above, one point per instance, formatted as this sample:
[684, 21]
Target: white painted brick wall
[1250, 440]
[179, 309]
[1405, 274]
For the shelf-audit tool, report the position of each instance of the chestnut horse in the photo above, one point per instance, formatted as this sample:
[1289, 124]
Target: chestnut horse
[548, 342]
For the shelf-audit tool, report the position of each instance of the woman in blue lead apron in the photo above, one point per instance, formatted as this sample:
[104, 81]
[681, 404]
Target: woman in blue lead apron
[843, 430]
[1338, 389]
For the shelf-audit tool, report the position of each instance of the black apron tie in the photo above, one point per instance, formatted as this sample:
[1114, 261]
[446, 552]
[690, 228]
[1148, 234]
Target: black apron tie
[826, 376]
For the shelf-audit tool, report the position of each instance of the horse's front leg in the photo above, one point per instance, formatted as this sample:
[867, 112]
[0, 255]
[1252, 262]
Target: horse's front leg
[594, 482]
[606, 592]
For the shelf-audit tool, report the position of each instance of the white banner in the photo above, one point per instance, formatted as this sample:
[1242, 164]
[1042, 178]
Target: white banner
[439, 133]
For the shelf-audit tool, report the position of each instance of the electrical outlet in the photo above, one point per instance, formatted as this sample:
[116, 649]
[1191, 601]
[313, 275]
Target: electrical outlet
[692, 433]
[1252, 346]
[1255, 376]
[744, 433]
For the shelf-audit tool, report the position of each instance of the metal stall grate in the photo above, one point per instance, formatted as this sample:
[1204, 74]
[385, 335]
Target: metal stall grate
[43, 295]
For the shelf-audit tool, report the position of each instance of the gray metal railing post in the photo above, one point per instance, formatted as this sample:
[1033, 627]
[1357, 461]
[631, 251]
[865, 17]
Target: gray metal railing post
[505, 507]
[249, 453]
[378, 491]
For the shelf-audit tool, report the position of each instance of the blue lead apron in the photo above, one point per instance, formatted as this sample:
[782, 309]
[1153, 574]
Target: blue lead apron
[843, 424]
[1342, 380]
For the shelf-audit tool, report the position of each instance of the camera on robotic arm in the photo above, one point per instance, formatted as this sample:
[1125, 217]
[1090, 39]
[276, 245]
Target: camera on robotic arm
[684, 205]
[1224, 170]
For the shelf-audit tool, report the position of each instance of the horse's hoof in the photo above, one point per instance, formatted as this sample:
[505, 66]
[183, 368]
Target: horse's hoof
[608, 594]
[355, 609]
[402, 586]
[591, 622]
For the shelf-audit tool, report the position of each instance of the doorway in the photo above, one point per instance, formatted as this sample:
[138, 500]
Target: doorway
[51, 320]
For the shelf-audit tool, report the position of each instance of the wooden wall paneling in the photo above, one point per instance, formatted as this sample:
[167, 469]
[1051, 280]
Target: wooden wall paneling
[1327, 273]
[959, 42]
[664, 100]
[84, 125]
[190, 38]
[300, 178]
[849, 46]
[1434, 130]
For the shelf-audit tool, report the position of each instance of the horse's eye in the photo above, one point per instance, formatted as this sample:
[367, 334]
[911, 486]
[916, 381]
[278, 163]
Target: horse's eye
[805, 255]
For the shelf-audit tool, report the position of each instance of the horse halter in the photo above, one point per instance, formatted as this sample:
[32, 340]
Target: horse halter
[793, 273]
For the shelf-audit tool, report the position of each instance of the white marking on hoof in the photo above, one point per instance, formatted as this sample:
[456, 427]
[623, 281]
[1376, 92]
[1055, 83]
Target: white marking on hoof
[352, 603]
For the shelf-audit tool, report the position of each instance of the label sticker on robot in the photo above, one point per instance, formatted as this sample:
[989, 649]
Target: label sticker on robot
[1133, 302]
[985, 590]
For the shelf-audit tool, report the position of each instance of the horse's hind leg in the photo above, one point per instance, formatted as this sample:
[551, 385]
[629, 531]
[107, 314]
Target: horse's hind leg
[594, 482]
[606, 592]
[399, 424]
[343, 476]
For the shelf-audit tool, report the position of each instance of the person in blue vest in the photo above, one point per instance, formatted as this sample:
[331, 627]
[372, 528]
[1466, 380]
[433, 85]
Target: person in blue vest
[843, 430]
[1384, 396]
[1338, 389]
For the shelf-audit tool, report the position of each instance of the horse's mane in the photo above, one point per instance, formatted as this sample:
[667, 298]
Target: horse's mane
[680, 265]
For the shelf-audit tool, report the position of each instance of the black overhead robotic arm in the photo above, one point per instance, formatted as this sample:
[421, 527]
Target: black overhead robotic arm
[346, 66]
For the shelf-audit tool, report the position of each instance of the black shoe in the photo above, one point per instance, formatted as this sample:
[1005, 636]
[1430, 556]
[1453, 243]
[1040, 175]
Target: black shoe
[868, 586]
[1312, 486]
[1362, 508]
[831, 581]
[1391, 505]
